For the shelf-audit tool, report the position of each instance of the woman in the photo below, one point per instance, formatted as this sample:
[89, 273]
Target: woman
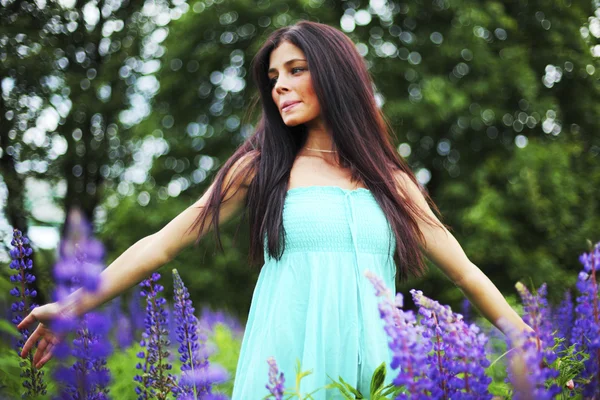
[328, 197]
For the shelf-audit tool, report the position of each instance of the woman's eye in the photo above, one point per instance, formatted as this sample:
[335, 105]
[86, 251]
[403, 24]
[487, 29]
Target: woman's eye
[273, 80]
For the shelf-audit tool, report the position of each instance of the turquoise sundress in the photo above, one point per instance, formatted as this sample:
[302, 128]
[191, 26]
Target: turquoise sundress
[315, 304]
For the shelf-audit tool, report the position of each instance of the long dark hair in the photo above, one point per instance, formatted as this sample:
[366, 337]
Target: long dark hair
[360, 132]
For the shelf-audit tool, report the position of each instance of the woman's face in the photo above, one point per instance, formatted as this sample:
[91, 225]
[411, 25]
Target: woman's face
[291, 82]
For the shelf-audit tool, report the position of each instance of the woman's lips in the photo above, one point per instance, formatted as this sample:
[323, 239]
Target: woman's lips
[286, 108]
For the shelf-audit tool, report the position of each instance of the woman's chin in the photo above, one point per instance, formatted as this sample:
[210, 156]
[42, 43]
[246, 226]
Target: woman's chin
[291, 122]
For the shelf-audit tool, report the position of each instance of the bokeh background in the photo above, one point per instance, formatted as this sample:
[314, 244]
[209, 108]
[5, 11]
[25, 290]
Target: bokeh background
[126, 109]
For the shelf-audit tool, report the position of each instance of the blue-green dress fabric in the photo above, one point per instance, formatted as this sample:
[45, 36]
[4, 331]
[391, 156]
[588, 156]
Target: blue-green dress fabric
[315, 304]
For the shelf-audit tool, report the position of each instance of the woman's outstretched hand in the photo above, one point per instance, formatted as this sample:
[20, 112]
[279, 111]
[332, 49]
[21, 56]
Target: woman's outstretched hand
[48, 339]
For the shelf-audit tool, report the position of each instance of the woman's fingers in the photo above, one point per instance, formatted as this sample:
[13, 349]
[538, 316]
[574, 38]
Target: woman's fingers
[47, 339]
[47, 356]
[41, 347]
[28, 320]
[31, 340]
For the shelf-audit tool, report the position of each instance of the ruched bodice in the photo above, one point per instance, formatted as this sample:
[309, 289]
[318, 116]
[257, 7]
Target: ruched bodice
[315, 304]
[333, 219]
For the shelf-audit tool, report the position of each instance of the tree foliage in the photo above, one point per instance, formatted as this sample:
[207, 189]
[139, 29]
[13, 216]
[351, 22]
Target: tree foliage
[129, 108]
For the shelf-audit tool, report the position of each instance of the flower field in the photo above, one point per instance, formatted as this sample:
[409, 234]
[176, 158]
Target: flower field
[156, 347]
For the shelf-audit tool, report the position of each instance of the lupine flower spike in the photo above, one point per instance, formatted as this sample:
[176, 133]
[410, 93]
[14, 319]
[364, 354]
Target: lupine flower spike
[155, 381]
[136, 310]
[526, 371]
[22, 263]
[407, 341]
[563, 320]
[88, 375]
[537, 316]
[466, 310]
[276, 380]
[198, 375]
[209, 319]
[586, 332]
[459, 358]
[80, 264]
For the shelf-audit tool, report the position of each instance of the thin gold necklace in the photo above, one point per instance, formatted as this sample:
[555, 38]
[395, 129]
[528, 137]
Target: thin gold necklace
[324, 151]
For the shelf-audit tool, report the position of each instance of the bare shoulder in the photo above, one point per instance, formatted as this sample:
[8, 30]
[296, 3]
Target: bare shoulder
[243, 170]
[406, 185]
[409, 186]
[249, 158]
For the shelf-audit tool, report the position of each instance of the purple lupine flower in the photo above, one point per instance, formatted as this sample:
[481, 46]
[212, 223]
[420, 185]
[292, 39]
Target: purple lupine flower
[66, 283]
[466, 310]
[276, 383]
[124, 331]
[80, 255]
[172, 324]
[586, 332]
[136, 310]
[88, 377]
[196, 369]
[459, 349]
[406, 340]
[113, 308]
[563, 320]
[537, 316]
[204, 377]
[211, 396]
[536, 311]
[21, 263]
[527, 372]
[154, 381]
[80, 262]
[209, 319]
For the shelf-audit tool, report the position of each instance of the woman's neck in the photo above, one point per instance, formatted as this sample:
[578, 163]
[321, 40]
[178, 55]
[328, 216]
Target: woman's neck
[319, 143]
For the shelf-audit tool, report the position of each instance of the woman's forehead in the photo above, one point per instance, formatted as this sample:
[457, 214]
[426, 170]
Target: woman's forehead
[283, 54]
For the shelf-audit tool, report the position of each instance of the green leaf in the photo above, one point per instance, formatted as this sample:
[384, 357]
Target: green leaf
[347, 395]
[389, 389]
[300, 374]
[354, 391]
[378, 378]
[342, 388]
[9, 328]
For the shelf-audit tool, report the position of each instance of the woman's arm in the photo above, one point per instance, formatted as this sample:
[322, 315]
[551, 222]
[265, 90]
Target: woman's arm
[154, 251]
[444, 250]
[135, 264]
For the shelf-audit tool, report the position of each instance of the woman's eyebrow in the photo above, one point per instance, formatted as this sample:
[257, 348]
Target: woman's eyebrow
[286, 63]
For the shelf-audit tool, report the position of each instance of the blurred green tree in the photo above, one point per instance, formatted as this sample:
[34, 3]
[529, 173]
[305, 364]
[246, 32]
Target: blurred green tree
[494, 105]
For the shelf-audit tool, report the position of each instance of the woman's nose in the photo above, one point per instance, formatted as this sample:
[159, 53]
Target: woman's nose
[281, 86]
